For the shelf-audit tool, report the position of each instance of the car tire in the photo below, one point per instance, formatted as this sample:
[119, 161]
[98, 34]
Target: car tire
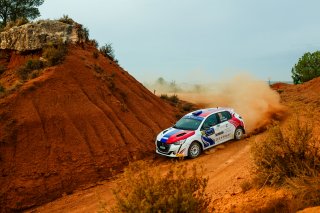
[238, 134]
[194, 150]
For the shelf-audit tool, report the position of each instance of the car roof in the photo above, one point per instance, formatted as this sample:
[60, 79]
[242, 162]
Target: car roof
[208, 111]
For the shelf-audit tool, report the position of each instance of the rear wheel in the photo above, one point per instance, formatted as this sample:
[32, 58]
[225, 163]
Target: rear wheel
[238, 134]
[194, 150]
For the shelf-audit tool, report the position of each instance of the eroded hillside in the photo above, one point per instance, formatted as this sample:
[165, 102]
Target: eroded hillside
[75, 124]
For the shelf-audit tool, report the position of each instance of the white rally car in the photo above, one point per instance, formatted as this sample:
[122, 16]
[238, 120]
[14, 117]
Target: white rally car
[200, 130]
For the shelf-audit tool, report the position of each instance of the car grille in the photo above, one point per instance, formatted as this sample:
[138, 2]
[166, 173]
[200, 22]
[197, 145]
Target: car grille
[163, 147]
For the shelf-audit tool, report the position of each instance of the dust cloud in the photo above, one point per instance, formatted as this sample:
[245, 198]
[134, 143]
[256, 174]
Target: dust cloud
[253, 99]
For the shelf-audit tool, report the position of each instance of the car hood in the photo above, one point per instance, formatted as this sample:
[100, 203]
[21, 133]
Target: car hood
[173, 135]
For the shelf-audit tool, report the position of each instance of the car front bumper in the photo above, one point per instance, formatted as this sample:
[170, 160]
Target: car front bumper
[170, 150]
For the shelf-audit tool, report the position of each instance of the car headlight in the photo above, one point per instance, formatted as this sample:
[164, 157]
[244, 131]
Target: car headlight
[179, 142]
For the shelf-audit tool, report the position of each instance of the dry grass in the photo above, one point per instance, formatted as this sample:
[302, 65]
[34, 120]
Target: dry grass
[145, 188]
[290, 157]
[173, 99]
[286, 153]
[307, 190]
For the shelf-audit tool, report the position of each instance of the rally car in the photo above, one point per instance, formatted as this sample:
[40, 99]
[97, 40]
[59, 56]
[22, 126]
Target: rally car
[200, 130]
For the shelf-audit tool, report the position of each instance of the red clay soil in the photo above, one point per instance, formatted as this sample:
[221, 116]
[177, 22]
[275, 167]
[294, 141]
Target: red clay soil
[73, 126]
[279, 85]
[305, 93]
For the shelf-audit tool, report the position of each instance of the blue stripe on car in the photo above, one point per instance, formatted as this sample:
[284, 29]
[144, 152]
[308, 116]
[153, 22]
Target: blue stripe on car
[169, 134]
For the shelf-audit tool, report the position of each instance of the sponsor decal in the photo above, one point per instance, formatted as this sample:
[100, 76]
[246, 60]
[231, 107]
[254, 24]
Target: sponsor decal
[222, 137]
[219, 133]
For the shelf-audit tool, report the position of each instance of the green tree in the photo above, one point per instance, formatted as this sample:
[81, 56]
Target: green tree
[307, 68]
[11, 10]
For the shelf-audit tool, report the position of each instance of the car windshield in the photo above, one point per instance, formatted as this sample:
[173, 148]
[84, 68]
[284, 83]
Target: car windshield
[188, 123]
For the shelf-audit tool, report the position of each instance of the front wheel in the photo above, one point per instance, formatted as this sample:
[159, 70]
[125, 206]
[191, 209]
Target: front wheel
[194, 150]
[238, 134]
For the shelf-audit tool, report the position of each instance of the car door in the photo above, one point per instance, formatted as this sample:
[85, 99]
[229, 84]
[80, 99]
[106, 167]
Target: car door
[224, 128]
[208, 130]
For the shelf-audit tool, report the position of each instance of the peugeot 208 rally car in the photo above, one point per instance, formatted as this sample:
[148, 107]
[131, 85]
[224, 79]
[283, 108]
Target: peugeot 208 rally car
[200, 130]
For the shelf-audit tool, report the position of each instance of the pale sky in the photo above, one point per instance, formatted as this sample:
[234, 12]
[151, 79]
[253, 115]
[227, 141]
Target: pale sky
[196, 40]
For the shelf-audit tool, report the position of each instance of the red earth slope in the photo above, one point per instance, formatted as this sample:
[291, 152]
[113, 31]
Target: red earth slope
[74, 125]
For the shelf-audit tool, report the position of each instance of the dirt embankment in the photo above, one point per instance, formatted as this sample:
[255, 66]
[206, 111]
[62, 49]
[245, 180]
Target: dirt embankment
[74, 125]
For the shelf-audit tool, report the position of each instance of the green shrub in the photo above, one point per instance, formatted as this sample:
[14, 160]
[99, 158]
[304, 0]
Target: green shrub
[25, 71]
[286, 153]
[85, 33]
[66, 19]
[173, 99]
[145, 188]
[2, 89]
[164, 96]
[2, 69]
[98, 69]
[110, 82]
[187, 107]
[94, 43]
[35, 74]
[55, 54]
[108, 52]
[95, 54]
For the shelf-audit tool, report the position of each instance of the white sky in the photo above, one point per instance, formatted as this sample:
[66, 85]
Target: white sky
[199, 40]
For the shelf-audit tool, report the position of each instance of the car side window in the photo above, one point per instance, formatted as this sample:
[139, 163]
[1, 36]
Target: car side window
[210, 121]
[224, 116]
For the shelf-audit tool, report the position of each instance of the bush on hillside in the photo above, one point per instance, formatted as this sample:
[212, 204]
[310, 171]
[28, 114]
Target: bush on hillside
[290, 157]
[25, 71]
[147, 189]
[187, 107]
[108, 51]
[66, 19]
[2, 89]
[94, 43]
[173, 99]
[307, 68]
[286, 153]
[54, 54]
[95, 54]
[2, 69]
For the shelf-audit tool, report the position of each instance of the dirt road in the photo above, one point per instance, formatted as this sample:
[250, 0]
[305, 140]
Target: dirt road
[226, 165]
